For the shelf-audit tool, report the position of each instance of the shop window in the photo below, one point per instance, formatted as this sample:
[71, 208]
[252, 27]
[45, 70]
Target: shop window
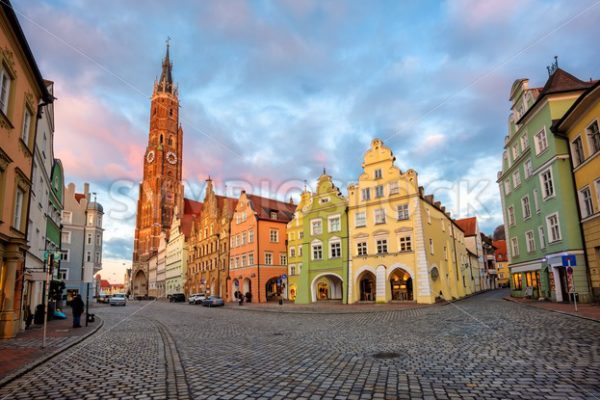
[517, 283]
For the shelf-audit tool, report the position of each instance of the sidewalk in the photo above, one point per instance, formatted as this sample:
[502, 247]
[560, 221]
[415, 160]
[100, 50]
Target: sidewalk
[325, 307]
[24, 352]
[587, 311]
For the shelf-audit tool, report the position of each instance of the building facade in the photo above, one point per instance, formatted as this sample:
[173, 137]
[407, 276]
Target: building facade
[489, 258]
[22, 94]
[323, 274]
[502, 262]
[474, 243]
[258, 255]
[82, 240]
[161, 265]
[46, 205]
[580, 127]
[161, 189]
[536, 185]
[295, 233]
[403, 245]
[208, 265]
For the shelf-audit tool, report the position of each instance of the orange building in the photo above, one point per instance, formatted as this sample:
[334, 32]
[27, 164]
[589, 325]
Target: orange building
[208, 246]
[258, 255]
[23, 93]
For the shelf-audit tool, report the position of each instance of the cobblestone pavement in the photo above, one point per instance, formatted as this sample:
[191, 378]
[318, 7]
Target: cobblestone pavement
[482, 347]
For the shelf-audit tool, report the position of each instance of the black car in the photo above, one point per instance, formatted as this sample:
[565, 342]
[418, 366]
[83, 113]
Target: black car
[177, 298]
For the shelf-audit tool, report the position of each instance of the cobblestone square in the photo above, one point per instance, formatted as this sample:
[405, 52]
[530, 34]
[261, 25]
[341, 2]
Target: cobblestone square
[482, 347]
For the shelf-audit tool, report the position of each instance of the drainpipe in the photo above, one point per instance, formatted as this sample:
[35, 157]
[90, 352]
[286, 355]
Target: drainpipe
[257, 259]
[455, 255]
[579, 214]
[348, 258]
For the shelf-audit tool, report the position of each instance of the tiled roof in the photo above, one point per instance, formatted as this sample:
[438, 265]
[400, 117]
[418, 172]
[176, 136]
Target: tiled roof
[104, 283]
[562, 81]
[468, 225]
[264, 206]
[500, 253]
[192, 207]
[186, 224]
[79, 197]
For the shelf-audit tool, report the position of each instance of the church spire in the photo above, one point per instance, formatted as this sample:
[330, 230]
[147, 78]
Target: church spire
[165, 84]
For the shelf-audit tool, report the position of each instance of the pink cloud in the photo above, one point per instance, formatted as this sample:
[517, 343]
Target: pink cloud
[93, 141]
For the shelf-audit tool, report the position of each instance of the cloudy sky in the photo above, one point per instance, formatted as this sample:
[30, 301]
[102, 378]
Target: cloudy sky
[273, 91]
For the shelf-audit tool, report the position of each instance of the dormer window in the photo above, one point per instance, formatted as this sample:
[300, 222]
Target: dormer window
[273, 214]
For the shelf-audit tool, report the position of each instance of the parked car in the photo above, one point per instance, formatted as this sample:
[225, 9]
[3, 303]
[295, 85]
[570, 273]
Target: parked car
[192, 298]
[103, 298]
[177, 298]
[118, 299]
[200, 298]
[213, 301]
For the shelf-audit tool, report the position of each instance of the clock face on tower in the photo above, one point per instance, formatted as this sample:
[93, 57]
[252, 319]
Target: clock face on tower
[150, 156]
[171, 157]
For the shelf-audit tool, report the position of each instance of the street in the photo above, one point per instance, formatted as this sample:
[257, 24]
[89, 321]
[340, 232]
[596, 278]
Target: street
[482, 347]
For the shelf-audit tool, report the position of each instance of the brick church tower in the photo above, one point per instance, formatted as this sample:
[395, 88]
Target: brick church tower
[161, 189]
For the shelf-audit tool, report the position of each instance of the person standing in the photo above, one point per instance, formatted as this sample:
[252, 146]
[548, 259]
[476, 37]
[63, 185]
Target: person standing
[77, 306]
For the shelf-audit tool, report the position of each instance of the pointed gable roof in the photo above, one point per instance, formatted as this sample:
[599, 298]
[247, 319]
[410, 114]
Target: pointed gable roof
[264, 207]
[562, 81]
[468, 225]
[559, 82]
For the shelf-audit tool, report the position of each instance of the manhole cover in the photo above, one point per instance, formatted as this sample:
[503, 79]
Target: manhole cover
[386, 355]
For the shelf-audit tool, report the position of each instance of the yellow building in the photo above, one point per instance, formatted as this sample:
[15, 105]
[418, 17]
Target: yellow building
[403, 245]
[581, 127]
[22, 94]
[295, 235]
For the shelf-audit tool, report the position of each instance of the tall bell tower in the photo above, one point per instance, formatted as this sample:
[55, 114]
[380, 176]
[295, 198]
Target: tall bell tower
[161, 188]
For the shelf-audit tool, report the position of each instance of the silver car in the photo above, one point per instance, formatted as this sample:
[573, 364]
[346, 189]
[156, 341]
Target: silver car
[118, 299]
[213, 301]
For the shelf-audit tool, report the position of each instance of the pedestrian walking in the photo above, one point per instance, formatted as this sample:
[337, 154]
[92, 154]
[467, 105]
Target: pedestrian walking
[77, 306]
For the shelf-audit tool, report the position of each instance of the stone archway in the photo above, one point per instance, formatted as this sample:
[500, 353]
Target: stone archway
[367, 287]
[327, 286]
[140, 288]
[400, 285]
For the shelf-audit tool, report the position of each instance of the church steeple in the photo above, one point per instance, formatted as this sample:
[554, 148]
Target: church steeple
[165, 84]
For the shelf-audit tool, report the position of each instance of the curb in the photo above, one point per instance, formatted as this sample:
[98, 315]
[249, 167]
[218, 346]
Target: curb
[34, 364]
[372, 311]
[284, 311]
[550, 310]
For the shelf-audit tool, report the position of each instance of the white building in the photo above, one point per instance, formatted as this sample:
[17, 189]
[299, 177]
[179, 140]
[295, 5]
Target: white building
[176, 257]
[161, 266]
[81, 240]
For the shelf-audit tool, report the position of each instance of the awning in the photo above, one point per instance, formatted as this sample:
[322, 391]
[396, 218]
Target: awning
[525, 268]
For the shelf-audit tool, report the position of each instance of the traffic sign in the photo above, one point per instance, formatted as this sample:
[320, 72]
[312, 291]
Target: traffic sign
[284, 276]
[569, 260]
[570, 270]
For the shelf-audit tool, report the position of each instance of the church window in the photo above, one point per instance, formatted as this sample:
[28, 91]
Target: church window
[161, 139]
[170, 112]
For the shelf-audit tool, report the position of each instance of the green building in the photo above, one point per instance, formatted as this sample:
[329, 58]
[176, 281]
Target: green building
[324, 273]
[538, 197]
